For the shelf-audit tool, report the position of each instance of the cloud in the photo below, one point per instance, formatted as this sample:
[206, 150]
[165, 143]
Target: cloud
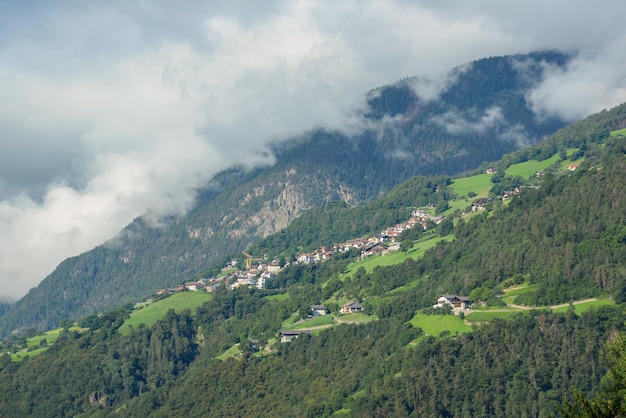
[588, 84]
[109, 109]
[456, 124]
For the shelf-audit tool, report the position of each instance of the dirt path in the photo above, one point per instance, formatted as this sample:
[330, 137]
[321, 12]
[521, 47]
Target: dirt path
[551, 307]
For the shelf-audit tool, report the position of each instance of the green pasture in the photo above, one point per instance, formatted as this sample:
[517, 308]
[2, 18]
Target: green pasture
[231, 352]
[19, 356]
[313, 322]
[486, 316]
[460, 204]
[357, 318]
[50, 337]
[579, 308]
[619, 132]
[279, 297]
[479, 184]
[529, 168]
[411, 285]
[512, 292]
[151, 313]
[435, 324]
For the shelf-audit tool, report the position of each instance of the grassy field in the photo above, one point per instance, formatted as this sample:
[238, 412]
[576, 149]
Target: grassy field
[313, 322]
[479, 184]
[151, 313]
[357, 318]
[435, 324]
[529, 168]
[619, 132]
[511, 293]
[579, 308]
[231, 352]
[485, 316]
[23, 354]
[282, 296]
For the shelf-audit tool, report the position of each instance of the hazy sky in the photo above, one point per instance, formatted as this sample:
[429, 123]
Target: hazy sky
[108, 108]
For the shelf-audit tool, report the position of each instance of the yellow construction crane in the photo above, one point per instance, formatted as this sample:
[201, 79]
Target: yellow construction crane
[248, 259]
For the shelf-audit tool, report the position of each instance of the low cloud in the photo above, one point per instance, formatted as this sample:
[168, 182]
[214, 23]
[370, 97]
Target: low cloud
[456, 124]
[587, 85]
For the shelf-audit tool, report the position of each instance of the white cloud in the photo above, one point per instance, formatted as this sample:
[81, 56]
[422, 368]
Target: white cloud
[456, 124]
[109, 109]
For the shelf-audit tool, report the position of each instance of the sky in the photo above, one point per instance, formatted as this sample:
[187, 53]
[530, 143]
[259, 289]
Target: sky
[109, 109]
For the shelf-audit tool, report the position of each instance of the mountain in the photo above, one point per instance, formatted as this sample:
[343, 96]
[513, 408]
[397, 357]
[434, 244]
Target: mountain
[480, 115]
[561, 240]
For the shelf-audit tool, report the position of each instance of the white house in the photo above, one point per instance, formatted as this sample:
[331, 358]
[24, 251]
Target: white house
[458, 303]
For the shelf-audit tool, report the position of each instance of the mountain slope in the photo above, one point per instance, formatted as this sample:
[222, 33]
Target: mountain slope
[480, 115]
[522, 366]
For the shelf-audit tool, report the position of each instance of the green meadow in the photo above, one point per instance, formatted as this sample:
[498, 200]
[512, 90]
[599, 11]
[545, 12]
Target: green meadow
[279, 297]
[479, 184]
[582, 307]
[486, 316]
[151, 313]
[435, 324]
[313, 322]
[529, 168]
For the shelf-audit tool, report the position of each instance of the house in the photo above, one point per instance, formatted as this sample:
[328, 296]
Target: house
[480, 204]
[212, 285]
[274, 266]
[193, 286]
[286, 336]
[350, 308]
[372, 249]
[318, 310]
[573, 167]
[458, 303]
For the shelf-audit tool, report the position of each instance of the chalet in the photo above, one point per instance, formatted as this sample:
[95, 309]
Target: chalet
[372, 249]
[480, 204]
[286, 336]
[318, 310]
[573, 167]
[193, 286]
[350, 308]
[457, 302]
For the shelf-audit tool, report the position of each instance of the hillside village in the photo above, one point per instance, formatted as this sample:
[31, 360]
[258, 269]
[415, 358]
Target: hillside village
[258, 271]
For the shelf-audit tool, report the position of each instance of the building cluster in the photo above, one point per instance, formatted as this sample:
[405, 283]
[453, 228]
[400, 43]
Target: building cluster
[257, 272]
[378, 244]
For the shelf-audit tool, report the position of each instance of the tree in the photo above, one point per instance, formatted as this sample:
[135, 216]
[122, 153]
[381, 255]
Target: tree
[406, 245]
[611, 401]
